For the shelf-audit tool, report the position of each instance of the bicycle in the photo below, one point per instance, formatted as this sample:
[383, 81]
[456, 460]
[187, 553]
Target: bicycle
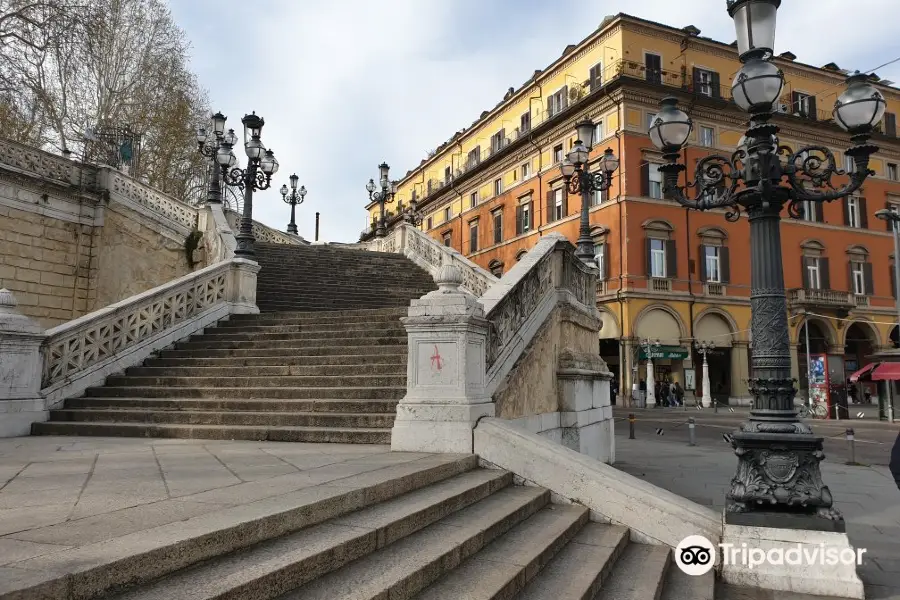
[816, 410]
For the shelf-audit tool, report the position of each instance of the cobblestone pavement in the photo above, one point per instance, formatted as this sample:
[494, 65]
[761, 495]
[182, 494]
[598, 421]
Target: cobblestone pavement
[867, 495]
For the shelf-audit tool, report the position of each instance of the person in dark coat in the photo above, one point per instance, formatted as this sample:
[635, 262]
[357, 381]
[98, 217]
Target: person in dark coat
[895, 461]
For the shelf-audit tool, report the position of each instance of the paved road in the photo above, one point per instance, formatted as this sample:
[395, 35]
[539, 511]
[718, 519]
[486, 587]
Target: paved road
[873, 439]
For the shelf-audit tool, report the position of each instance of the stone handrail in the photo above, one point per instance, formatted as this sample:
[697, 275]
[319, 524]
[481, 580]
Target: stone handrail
[33, 161]
[431, 256]
[82, 352]
[155, 201]
[264, 233]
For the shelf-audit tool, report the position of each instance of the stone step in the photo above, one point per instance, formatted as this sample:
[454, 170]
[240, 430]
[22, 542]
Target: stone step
[300, 336]
[138, 558]
[279, 566]
[312, 289]
[329, 342]
[361, 280]
[274, 319]
[239, 418]
[317, 435]
[326, 305]
[582, 567]
[681, 586]
[284, 381]
[329, 405]
[639, 574]
[327, 329]
[317, 316]
[334, 360]
[377, 352]
[194, 370]
[293, 393]
[402, 569]
[504, 568]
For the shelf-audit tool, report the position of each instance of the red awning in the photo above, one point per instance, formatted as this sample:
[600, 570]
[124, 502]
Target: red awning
[887, 372]
[855, 377]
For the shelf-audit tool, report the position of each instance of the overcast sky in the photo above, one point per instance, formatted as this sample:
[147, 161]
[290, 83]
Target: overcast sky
[344, 85]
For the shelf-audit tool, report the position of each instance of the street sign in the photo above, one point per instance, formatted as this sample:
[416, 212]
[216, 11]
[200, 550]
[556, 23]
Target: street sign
[665, 352]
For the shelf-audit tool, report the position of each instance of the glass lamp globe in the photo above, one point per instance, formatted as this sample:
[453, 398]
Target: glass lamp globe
[302, 191]
[370, 187]
[224, 154]
[294, 179]
[284, 190]
[201, 135]
[578, 155]
[218, 121]
[861, 107]
[671, 127]
[231, 137]
[383, 170]
[567, 168]
[254, 148]
[754, 24]
[757, 86]
[609, 162]
[585, 131]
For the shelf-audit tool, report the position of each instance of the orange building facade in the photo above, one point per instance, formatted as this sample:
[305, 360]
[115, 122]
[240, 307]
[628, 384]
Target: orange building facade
[667, 273]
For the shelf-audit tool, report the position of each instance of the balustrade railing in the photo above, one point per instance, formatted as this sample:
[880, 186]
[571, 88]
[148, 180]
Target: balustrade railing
[264, 233]
[820, 297]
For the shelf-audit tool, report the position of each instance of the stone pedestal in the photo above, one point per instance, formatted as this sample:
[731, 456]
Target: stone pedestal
[792, 560]
[584, 406]
[445, 393]
[243, 287]
[21, 403]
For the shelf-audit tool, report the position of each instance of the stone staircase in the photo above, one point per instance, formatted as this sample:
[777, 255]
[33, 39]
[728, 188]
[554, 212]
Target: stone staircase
[437, 528]
[324, 362]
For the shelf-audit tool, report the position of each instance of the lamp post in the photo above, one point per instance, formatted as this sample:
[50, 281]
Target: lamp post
[208, 146]
[778, 455]
[893, 218]
[293, 197]
[649, 346]
[382, 197]
[703, 348]
[261, 165]
[412, 215]
[580, 181]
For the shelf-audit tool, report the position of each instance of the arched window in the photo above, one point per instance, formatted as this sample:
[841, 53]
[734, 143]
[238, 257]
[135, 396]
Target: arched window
[496, 268]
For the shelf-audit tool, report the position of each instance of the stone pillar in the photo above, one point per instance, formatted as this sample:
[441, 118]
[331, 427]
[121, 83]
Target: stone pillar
[445, 394]
[21, 366]
[584, 405]
[243, 286]
[740, 366]
[626, 359]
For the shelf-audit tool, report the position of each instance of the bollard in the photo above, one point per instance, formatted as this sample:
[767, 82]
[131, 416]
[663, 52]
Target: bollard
[715, 406]
[693, 441]
[851, 443]
[630, 426]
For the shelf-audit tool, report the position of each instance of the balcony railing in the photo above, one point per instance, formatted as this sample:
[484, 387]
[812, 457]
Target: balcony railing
[861, 301]
[827, 298]
[715, 289]
[656, 284]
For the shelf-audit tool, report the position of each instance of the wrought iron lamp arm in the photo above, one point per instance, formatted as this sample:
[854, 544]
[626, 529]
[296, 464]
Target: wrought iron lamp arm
[716, 179]
[586, 182]
[809, 171]
[240, 178]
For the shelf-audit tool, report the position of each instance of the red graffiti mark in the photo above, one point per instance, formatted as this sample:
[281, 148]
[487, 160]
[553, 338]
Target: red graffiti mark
[436, 359]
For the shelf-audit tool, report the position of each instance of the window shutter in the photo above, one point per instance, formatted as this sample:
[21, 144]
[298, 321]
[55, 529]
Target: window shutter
[795, 102]
[550, 106]
[863, 214]
[890, 124]
[519, 220]
[645, 179]
[725, 264]
[594, 76]
[846, 206]
[551, 213]
[565, 97]
[648, 257]
[820, 217]
[813, 114]
[671, 260]
[696, 76]
[868, 279]
[825, 273]
[804, 273]
[565, 201]
[850, 277]
[531, 216]
[605, 260]
[702, 260]
[716, 90]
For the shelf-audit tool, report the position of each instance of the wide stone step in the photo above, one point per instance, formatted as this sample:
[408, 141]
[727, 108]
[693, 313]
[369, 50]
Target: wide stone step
[639, 574]
[240, 418]
[279, 566]
[318, 435]
[404, 568]
[325, 315]
[326, 305]
[193, 370]
[142, 557]
[328, 405]
[680, 586]
[326, 329]
[293, 393]
[285, 381]
[361, 281]
[504, 568]
[310, 322]
[329, 342]
[301, 336]
[397, 349]
[334, 360]
[582, 567]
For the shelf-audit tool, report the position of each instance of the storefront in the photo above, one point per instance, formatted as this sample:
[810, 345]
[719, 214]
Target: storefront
[668, 364]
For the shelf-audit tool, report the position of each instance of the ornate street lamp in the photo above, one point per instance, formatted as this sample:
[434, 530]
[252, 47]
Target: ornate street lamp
[703, 348]
[293, 197]
[580, 181]
[412, 215]
[382, 197]
[261, 165]
[208, 145]
[778, 455]
[649, 346]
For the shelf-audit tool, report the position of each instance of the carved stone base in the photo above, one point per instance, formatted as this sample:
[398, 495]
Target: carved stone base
[779, 473]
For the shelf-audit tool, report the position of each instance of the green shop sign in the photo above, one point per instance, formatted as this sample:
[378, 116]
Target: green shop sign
[665, 352]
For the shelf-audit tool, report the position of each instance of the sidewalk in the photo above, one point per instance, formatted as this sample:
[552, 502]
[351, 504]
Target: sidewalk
[867, 496]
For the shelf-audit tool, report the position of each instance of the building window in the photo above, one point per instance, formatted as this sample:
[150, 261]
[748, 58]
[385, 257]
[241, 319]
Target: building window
[558, 153]
[655, 181]
[703, 82]
[447, 214]
[497, 216]
[810, 210]
[849, 164]
[473, 236]
[658, 258]
[496, 268]
[803, 105]
[526, 170]
[498, 186]
[598, 132]
[707, 137]
[713, 264]
[558, 101]
[525, 123]
[853, 211]
[524, 217]
[428, 224]
[447, 239]
[813, 278]
[498, 141]
[650, 118]
[474, 157]
[598, 197]
[596, 77]
[858, 276]
[558, 212]
[473, 199]
[600, 256]
[447, 175]
[892, 171]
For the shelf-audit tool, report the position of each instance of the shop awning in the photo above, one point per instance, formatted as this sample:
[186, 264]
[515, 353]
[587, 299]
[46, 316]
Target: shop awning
[856, 376]
[666, 352]
[887, 372]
